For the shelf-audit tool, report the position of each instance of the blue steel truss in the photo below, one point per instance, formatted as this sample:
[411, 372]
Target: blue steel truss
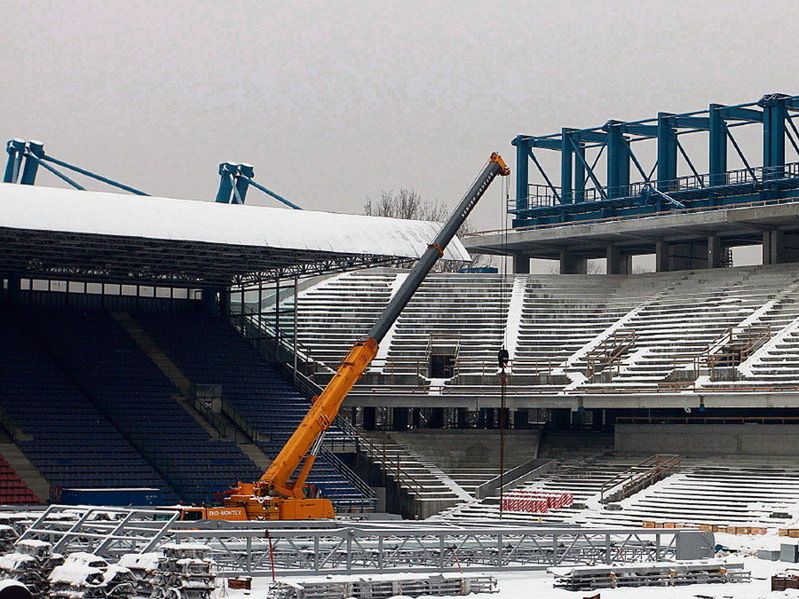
[630, 187]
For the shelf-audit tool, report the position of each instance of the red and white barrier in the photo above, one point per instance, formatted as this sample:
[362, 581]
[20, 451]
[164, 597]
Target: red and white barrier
[535, 502]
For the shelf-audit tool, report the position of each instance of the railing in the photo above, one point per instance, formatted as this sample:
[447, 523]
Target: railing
[351, 476]
[734, 347]
[609, 353]
[390, 466]
[514, 477]
[707, 420]
[638, 477]
[539, 195]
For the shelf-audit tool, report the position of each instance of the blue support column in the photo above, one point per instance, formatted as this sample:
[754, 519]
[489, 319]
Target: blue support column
[522, 174]
[579, 174]
[242, 185]
[618, 180]
[667, 152]
[226, 171]
[774, 113]
[717, 158]
[566, 167]
[15, 148]
[32, 166]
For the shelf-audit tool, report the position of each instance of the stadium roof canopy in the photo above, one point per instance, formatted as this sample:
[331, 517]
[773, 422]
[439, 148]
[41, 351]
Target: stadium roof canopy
[82, 235]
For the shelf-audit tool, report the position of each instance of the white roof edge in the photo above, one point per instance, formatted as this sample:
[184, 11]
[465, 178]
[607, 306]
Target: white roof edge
[113, 214]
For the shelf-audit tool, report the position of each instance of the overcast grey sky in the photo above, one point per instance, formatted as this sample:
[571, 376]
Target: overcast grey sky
[332, 101]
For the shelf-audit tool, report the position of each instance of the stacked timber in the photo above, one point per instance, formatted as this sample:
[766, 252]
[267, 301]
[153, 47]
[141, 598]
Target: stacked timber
[382, 587]
[589, 578]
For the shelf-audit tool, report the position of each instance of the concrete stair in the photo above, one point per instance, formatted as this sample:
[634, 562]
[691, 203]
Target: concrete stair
[171, 371]
[429, 489]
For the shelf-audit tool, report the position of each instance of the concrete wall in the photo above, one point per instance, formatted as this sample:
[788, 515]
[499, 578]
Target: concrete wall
[456, 448]
[708, 439]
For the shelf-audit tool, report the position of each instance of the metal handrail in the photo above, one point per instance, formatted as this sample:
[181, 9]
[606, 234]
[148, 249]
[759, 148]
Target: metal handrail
[540, 195]
[349, 474]
[649, 470]
[373, 450]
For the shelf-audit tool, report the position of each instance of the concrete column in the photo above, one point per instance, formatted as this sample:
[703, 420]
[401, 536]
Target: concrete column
[224, 301]
[208, 299]
[617, 263]
[714, 252]
[370, 418]
[521, 264]
[774, 250]
[436, 418]
[688, 255]
[11, 294]
[463, 417]
[521, 418]
[569, 265]
[661, 256]
[597, 419]
[561, 419]
[416, 417]
[399, 417]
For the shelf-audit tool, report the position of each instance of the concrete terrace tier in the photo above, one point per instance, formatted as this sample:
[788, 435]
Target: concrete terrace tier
[771, 223]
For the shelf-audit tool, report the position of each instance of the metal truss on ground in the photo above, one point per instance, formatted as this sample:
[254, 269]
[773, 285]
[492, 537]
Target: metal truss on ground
[259, 552]
[304, 548]
[106, 531]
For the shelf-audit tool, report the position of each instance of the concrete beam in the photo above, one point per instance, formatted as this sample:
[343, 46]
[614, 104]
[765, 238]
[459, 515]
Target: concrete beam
[594, 236]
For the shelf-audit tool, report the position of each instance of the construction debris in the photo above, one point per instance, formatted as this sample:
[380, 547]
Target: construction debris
[186, 571]
[380, 588]
[8, 536]
[87, 576]
[31, 564]
[589, 578]
[144, 568]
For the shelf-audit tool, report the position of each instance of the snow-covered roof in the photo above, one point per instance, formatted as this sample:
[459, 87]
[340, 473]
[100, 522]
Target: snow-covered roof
[113, 216]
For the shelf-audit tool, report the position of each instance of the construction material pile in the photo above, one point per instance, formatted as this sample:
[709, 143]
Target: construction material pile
[535, 502]
[87, 576]
[589, 578]
[186, 571]
[381, 587]
[144, 569]
[8, 536]
[31, 564]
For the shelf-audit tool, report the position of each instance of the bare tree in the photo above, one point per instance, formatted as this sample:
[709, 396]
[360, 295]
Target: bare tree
[408, 203]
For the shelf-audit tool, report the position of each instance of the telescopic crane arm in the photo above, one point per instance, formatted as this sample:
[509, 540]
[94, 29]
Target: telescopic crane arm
[275, 495]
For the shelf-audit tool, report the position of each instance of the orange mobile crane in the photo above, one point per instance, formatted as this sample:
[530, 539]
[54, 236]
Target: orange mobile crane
[276, 496]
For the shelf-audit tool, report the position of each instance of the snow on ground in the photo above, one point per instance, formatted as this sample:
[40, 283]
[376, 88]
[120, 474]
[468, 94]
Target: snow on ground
[538, 585]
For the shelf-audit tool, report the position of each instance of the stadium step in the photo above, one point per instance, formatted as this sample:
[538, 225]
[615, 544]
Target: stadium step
[176, 376]
[25, 470]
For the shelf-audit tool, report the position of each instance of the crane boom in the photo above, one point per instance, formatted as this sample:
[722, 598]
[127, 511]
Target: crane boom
[275, 495]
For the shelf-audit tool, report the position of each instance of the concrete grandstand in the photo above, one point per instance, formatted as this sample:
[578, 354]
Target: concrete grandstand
[178, 349]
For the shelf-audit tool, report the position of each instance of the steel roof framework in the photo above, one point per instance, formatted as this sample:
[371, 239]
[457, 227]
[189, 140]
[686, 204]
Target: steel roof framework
[133, 260]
